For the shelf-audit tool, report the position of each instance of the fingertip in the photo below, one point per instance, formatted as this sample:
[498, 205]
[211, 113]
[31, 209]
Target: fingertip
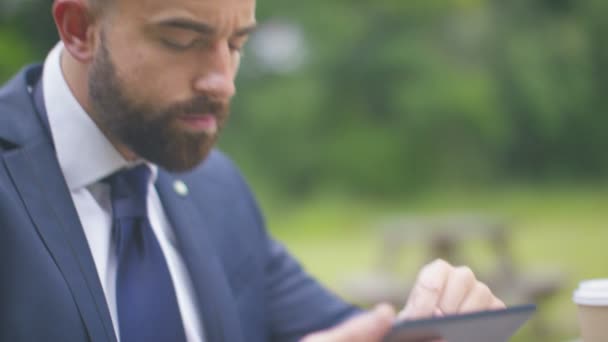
[385, 309]
[498, 304]
[385, 314]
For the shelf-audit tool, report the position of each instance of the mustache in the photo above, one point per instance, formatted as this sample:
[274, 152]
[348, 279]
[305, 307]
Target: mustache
[201, 104]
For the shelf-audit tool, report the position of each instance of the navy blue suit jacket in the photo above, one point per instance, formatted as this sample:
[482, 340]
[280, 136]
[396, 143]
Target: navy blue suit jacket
[247, 286]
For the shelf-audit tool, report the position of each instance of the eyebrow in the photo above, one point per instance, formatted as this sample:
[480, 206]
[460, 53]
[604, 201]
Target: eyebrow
[203, 28]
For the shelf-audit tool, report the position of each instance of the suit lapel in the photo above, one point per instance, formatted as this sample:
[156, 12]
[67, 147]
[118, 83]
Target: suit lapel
[40, 183]
[215, 301]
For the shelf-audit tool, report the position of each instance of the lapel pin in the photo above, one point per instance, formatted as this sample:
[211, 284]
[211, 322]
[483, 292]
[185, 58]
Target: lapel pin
[180, 188]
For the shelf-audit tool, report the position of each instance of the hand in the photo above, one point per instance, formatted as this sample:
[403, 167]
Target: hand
[367, 327]
[442, 289]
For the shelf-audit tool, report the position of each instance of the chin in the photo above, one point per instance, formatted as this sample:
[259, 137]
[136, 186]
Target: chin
[184, 161]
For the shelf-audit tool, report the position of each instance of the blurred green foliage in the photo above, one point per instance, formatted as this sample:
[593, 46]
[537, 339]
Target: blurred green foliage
[397, 96]
[400, 95]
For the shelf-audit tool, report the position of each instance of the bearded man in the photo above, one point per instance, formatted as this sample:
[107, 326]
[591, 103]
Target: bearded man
[119, 220]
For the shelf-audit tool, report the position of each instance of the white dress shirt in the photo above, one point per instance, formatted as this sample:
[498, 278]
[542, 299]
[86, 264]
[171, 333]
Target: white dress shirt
[86, 157]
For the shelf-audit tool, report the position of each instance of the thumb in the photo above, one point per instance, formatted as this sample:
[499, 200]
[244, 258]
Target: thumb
[369, 327]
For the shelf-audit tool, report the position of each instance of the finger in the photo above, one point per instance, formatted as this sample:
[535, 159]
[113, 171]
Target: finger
[497, 304]
[427, 291]
[480, 298]
[459, 284]
[370, 326]
[366, 327]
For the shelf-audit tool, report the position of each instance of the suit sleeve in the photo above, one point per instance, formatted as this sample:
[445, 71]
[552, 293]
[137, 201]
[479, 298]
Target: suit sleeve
[298, 304]
[295, 304]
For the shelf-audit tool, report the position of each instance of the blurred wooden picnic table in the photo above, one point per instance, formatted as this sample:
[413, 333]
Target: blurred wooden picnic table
[447, 238]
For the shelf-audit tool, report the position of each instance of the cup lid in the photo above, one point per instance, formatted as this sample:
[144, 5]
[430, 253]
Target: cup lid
[592, 292]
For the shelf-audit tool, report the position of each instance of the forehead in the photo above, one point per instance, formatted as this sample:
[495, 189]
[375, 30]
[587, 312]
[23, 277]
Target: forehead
[215, 12]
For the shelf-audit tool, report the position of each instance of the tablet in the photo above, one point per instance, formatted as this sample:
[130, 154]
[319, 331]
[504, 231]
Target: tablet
[485, 326]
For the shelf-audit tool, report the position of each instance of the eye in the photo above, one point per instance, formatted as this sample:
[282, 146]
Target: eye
[235, 47]
[178, 46]
[237, 44]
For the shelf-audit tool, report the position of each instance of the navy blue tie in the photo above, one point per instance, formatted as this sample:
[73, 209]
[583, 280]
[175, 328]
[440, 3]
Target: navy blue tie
[145, 297]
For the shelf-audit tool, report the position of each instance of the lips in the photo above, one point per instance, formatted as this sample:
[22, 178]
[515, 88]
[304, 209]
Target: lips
[206, 123]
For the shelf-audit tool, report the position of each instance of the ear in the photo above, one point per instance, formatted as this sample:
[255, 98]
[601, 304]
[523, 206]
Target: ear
[76, 26]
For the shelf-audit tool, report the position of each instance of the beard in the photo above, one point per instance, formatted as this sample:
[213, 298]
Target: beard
[152, 134]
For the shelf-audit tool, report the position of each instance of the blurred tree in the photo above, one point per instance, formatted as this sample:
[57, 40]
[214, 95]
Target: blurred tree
[26, 33]
[400, 95]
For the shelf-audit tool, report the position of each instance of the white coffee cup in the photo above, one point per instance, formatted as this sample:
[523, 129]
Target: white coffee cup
[591, 297]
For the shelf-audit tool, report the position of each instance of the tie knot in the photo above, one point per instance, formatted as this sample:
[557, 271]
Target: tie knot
[129, 191]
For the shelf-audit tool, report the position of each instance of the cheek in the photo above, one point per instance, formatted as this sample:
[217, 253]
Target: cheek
[147, 79]
[137, 63]
[146, 75]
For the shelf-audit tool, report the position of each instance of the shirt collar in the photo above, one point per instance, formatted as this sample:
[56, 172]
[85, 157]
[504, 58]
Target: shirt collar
[85, 155]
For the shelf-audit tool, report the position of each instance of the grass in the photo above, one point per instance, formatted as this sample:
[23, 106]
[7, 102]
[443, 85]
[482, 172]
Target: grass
[336, 236]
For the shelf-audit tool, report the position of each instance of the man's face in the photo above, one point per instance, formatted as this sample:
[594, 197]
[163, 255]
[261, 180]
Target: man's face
[163, 75]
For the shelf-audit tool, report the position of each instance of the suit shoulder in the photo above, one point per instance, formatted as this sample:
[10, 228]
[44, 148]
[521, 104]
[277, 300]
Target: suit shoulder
[18, 121]
[218, 162]
[219, 169]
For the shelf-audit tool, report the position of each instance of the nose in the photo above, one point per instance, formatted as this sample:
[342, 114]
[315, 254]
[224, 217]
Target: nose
[217, 72]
